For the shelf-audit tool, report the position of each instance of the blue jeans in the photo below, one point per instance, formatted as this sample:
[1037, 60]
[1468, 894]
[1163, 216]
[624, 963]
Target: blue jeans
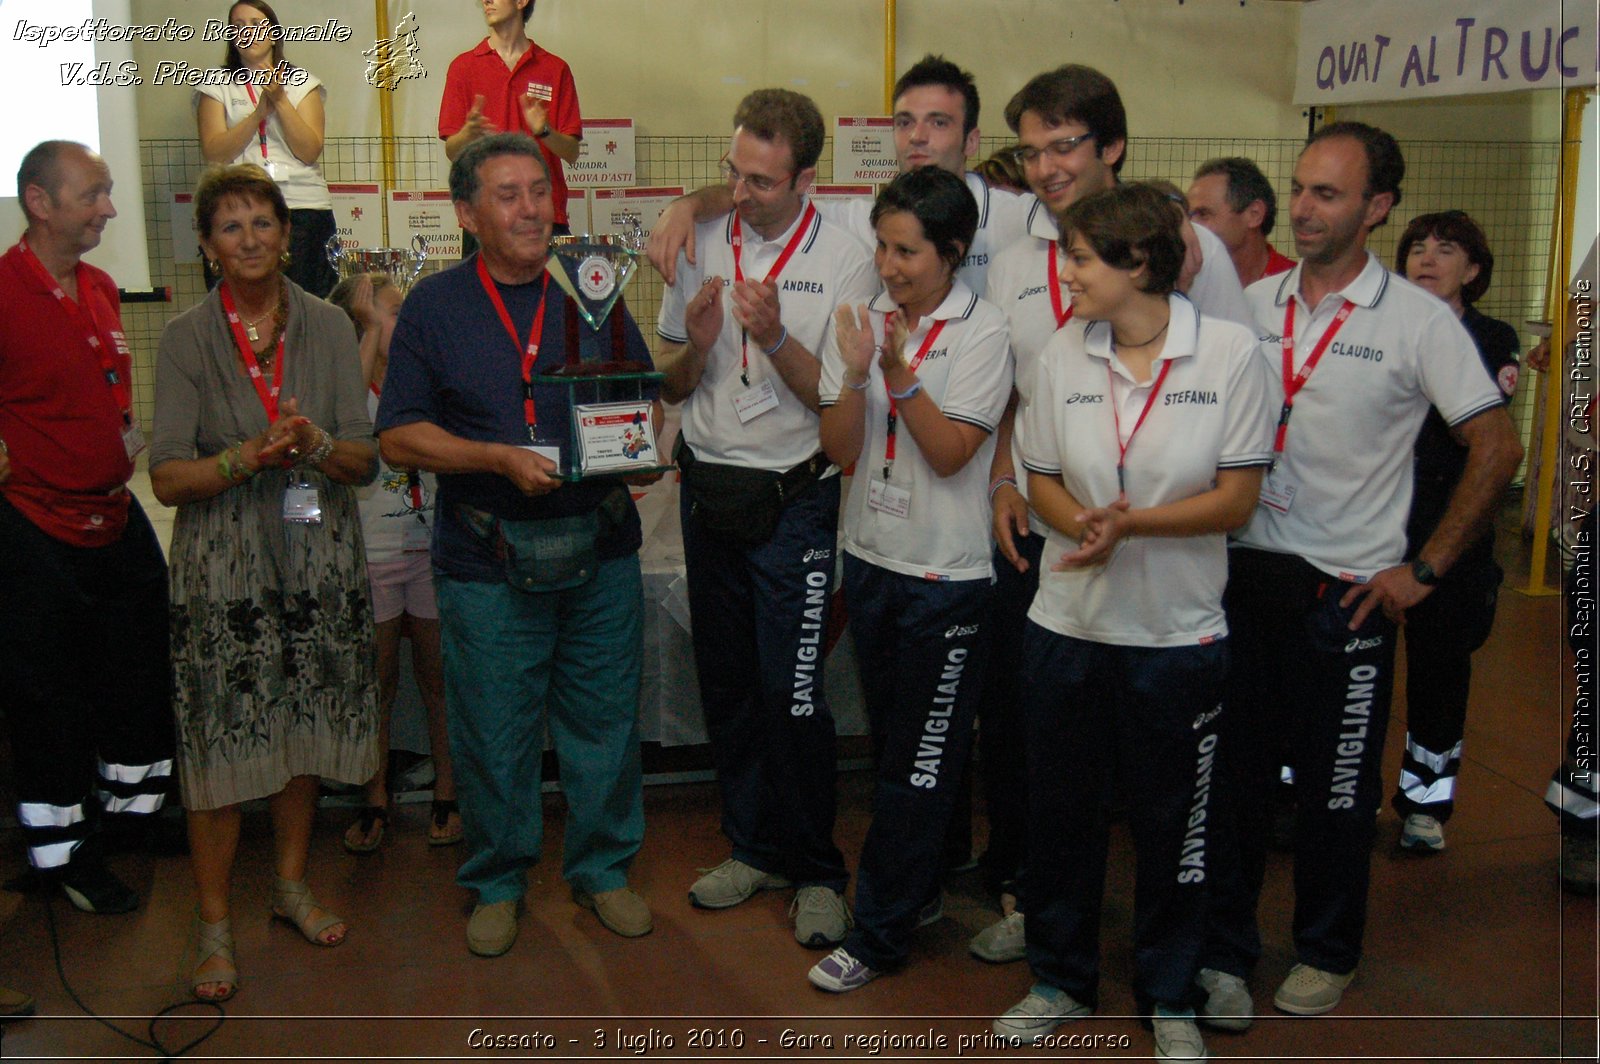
[507, 654]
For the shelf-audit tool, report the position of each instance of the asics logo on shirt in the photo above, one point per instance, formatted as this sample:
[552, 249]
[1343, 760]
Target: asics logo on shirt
[1082, 397]
[961, 630]
[1027, 293]
[1363, 644]
[816, 555]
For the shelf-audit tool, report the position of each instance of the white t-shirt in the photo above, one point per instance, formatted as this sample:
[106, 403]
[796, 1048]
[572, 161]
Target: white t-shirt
[944, 534]
[396, 516]
[302, 185]
[1211, 413]
[1019, 286]
[1348, 452]
[829, 268]
[1002, 220]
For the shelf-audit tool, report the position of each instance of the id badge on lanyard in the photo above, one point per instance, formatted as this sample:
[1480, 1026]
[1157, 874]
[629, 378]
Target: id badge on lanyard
[755, 400]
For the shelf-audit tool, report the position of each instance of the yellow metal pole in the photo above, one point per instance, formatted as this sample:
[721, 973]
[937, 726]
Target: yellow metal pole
[386, 112]
[1548, 436]
[889, 27]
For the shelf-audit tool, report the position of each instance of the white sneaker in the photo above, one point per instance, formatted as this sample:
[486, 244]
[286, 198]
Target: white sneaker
[1001, 942]
[1422, 832]
[1177, 1037]
[1228, 1006]
[1044, 1009]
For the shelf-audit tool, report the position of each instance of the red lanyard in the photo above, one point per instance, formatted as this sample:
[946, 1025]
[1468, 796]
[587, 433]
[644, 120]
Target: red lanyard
[1292, 381]
[1116, 414]
[121, 393]
[269, 397]
[894, 416]
[1063, 314]
[530, 351]
[772, 275]
[261, 127]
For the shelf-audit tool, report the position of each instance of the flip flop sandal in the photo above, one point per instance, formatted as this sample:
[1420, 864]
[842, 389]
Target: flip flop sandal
[359, 837]
[439, 832]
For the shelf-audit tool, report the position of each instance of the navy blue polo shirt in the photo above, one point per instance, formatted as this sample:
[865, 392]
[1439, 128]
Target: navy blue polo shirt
[452, 363]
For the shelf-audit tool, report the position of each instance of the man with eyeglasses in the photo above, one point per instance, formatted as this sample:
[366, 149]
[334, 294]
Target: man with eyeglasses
[935, 124]
[744, 327]
[1233, 198]
[1072, 137]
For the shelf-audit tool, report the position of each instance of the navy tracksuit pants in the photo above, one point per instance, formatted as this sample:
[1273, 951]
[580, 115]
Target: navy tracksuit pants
[1441, 634]
[921, 648]
[1298, 672]
[1143, 721]
[760, 617]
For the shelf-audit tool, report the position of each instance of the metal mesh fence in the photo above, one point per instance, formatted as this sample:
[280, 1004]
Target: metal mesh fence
[1506, 186]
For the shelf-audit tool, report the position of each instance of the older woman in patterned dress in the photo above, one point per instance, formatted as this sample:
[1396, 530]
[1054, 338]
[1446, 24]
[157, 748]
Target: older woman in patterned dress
[260, 430]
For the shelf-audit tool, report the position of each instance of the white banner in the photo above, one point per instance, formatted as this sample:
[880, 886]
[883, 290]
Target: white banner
[615, 209]
[428, 213]
[358, 215]
[578, 210]
[863, 149]
[606, 157]
[1354, 50]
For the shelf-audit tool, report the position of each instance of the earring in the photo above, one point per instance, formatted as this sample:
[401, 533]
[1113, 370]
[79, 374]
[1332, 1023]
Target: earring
[211, 264]
[283, 260]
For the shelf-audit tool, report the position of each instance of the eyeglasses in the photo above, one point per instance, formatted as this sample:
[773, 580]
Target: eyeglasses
[755, 182]
[1056, 149]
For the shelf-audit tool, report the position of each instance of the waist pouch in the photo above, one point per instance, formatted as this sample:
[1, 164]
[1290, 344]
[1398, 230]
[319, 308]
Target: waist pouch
[738, 504]
[552, 553]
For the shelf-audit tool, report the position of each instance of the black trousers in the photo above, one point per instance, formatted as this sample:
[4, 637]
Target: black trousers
[1143, 721]
[760, 617]
[920, 645]
[87, 679]
[1441, 634]
[1299, 671]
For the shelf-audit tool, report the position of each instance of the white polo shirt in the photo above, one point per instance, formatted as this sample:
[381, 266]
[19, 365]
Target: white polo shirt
[1349, 446]
[967, 373]
[1019, 286]
[1211, 413]
[1002, 220]
[828, 268]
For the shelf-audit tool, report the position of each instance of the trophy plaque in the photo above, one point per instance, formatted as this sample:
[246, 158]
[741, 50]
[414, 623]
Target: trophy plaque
[401, 265]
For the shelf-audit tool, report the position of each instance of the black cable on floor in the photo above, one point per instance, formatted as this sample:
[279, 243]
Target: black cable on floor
[154, 1041]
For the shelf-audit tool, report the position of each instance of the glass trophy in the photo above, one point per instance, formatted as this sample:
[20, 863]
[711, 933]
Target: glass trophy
[612, 428]
[401, 265]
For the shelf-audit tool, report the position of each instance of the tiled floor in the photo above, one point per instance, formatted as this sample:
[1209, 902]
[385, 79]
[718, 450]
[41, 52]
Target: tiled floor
[1473, 954]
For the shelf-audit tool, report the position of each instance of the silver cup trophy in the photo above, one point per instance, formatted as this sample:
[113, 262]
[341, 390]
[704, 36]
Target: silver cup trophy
[400, 265]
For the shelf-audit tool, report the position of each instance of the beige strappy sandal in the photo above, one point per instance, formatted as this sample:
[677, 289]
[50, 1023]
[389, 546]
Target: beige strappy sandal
[214, 940]
[293, 902]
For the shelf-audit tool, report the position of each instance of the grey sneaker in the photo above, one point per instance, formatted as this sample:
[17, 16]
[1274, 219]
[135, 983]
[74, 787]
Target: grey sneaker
[1001, 942]
[493, 928]
[821, 918]
[730, 883]
[1423, 833]
[1228, 1006]
[1311, 991]
[1044, 1009]
[1177, 1038]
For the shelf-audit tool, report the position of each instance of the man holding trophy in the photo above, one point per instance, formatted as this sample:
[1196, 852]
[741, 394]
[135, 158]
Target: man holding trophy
[536, 561]
[760, 505]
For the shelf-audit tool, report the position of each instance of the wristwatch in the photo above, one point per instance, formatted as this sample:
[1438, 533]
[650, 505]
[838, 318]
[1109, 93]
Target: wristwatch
[1423, 573]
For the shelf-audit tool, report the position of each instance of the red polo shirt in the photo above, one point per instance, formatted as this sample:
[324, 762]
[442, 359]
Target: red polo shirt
[481, 72]
[1277, 263]
[58, 415]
